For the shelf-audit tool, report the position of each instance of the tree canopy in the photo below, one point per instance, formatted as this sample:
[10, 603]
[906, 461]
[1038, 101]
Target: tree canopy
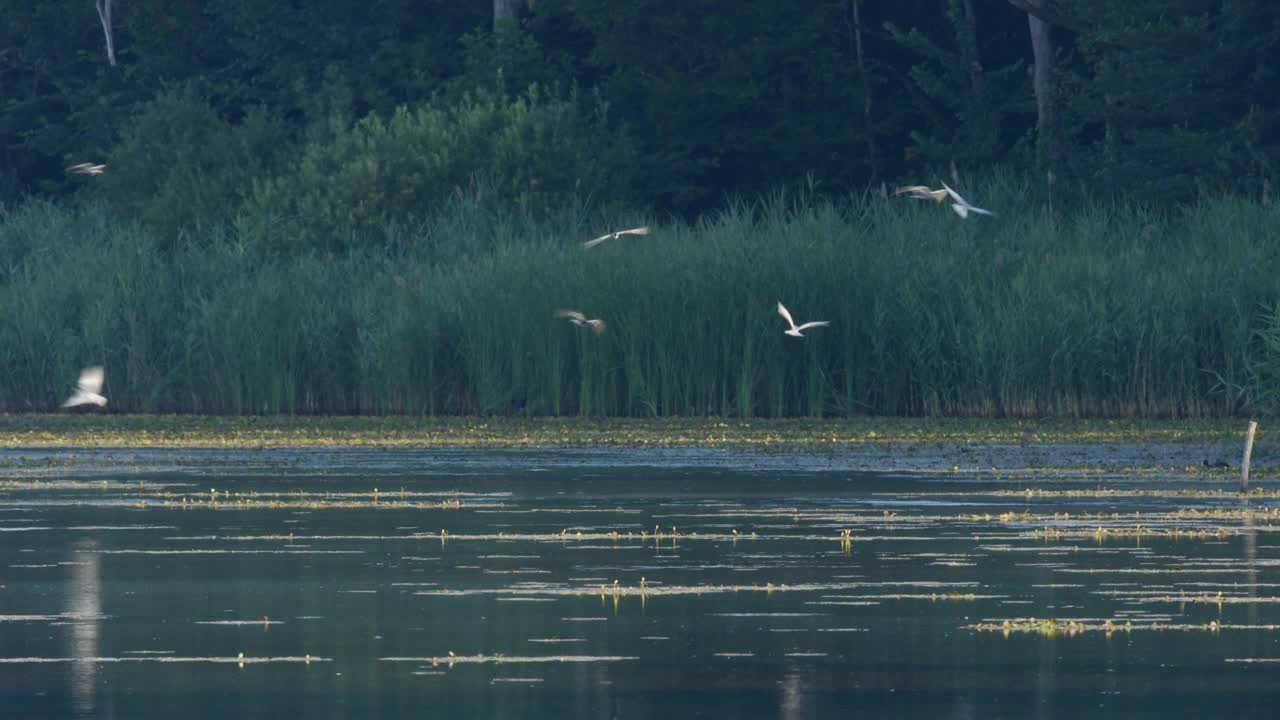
[1159, 97]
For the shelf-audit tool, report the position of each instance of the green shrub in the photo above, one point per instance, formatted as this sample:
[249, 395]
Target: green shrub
[180, 167]
[534, 153]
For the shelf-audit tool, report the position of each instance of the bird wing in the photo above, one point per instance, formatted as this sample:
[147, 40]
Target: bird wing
[592, 243]
[961, 210]
[597, 325]
[635, 231]
[76, 399]
[87, 169]
[91, 380]
[572, 315]
[786, 315]
[920, 192]
[913, 189]
[815, 323]
[955, 195]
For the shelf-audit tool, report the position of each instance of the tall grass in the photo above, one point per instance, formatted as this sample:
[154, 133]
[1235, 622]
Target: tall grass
[1109, 310]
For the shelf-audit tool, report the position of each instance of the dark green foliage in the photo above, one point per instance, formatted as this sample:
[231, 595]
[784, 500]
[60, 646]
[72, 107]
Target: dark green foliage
[59, 98]
[735, 100]
[533, 152]
[504, 61]
[180, 166]
[968, 107]
[1154, 96]
[1181, 96]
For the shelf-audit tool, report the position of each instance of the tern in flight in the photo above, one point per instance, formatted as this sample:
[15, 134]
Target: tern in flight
[794, 330]
[578, 318]
[962, 206]
[87, 169]
[89, 389]
[614, 236]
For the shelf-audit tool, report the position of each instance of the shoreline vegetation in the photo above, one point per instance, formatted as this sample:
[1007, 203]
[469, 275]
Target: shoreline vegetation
[1107, 309]
[231, 224]
[193, 431]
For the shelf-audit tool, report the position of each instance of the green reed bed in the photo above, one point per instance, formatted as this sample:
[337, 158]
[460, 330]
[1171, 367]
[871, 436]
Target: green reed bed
[1107, 310]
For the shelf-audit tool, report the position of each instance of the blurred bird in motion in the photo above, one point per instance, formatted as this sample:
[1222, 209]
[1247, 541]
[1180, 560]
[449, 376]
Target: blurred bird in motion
[959, 204]
[614, 236]
[920, 192]
[578, 318]
[962, 206]
[87, 169]
[794, 330]
[89, 389]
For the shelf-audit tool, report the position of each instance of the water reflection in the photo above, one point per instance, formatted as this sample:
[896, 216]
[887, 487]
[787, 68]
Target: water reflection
[84, 609]
[1251, 559]
[1046, 678]
[792, 695]
[783, 595]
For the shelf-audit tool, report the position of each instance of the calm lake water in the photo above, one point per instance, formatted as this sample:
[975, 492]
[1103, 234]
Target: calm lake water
[626, 584]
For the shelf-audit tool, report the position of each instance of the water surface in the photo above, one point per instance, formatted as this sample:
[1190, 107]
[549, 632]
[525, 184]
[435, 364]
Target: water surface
[628, 584]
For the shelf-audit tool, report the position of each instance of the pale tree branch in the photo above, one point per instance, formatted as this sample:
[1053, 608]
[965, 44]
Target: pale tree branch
[104, 14]
[866, 89]
[1043, 84]
[504, 10]
[1051, 12]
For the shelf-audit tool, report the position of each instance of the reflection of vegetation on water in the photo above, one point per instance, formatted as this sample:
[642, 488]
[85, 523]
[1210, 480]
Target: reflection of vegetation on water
[505, 567]
[328, 431]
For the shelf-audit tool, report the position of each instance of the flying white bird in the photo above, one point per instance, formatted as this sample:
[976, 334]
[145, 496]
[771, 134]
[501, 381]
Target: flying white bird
[962, 206]
[614, 236]
[578, 318]
[87, 169]
[794, 330]
[89, 389]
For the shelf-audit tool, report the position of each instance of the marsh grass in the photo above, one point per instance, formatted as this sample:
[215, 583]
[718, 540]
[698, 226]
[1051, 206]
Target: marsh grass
[119, 430]
[1110, 310]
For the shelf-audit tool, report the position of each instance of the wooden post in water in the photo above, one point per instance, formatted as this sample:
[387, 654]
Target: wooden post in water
[1248, 450]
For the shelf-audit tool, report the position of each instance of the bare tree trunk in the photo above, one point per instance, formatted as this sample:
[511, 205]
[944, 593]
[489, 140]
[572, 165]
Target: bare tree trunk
[104, 14]
[866, 90]
[1043, 83]
[504, 10]
[1109, 129]
[975, 68]
[1049, 11]
[1053, 13]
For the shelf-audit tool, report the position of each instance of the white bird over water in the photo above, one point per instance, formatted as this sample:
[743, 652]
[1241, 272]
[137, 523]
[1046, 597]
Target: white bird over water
[614, 236]
[87, 169]
[579, 319]
[89, 389]
[794, 330]
[962, 206]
